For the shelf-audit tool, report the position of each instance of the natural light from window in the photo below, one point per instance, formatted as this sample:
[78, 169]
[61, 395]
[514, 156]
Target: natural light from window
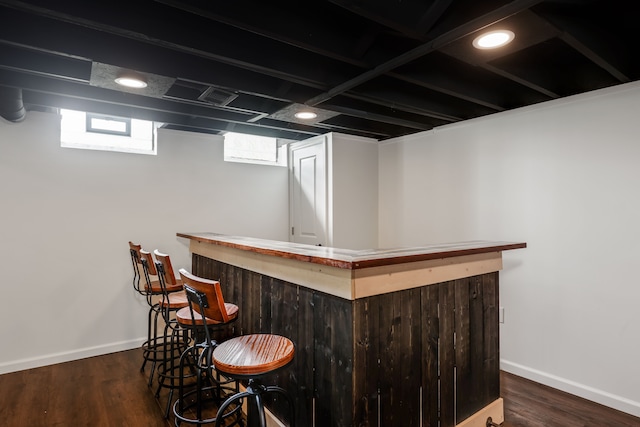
[100, 132]
[245, 148]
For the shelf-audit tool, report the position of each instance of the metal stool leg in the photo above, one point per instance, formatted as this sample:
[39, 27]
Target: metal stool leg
[178, 406]
[260, 409]
[236, 397]
[283, 392]
[169, 370]
[207, 389]
[153, 346]
[255, 391]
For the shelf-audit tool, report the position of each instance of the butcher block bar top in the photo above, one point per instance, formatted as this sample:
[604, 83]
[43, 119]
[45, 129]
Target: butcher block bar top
[353, 274]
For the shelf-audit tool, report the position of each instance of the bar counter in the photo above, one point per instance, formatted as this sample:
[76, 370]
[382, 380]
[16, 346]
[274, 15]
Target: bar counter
[374, 329]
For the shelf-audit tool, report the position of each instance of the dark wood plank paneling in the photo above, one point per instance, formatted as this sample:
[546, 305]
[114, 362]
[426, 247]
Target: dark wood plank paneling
[250, 309]
[268, 305]
[476, 316]
[233, 290]
[272, 321]
[388, 330]
[479, 386]
[430, 334]
[322, 360]
[280, 319]
[404, 369]
[446, 355]
[303, 364]
[472, 383]
[263, 297]
[342, 342]
[491, 348]
[464, 381]
[333, 352]
[365, 362]
[385, 336]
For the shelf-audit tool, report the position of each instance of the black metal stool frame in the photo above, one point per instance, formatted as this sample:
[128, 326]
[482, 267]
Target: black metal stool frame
[201, 353]
[151, 346]
[256, 390]
[174, 344]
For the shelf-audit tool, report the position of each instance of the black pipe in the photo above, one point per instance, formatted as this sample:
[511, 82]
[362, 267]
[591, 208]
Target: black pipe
[11, 105]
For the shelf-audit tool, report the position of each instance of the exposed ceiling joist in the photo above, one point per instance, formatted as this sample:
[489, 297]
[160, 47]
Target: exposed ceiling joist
[374, 69]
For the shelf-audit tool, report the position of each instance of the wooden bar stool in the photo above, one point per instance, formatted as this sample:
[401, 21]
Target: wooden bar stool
[251, 357]
[159, 342]
[175, 339]
[206, 313]
[146, 290]
[134, 251]
[150, 289]
[151, 286]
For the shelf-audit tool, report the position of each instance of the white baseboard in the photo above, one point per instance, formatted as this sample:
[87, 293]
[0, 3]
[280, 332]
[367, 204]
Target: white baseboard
[67, 356]
[595, 395]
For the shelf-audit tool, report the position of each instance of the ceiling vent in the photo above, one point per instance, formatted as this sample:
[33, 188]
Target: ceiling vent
[217, 97]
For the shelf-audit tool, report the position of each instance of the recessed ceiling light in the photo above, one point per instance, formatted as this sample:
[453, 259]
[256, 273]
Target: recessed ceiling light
[493, 39]
[134, 82]
[306, 115]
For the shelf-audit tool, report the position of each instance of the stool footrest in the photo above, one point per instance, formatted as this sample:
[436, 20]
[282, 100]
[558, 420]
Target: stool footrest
[180, 408]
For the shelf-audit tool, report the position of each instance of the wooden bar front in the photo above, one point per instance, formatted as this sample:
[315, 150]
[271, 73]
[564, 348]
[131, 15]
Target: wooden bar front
[421, 355]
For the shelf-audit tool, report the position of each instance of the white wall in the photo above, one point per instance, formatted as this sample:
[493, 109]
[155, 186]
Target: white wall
[66, 217]
[562, 176]
[353, 191]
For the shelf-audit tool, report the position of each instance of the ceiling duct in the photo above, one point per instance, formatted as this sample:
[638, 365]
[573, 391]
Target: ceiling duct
[11, 105]
[217, 97]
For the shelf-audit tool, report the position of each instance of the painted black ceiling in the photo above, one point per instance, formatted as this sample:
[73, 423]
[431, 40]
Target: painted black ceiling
[376, 68]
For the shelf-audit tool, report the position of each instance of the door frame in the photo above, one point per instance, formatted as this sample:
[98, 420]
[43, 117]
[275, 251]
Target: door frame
[316, 140]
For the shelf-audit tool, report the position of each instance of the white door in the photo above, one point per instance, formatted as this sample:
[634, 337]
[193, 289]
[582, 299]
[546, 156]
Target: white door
[308, 189]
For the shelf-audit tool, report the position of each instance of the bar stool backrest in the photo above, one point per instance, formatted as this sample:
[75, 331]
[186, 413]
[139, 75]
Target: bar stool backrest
[134, 248]
[166, 278]
[169, 275]
[214, 308]
[149, 269]
[134, 251]
[147, 261]
[198, 303]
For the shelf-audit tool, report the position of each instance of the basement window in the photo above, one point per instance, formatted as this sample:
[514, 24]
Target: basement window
[245, 148]
[91, 131]
[99, 123]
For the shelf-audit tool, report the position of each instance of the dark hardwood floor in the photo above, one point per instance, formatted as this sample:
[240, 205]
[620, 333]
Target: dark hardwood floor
[98, 391]
[530, 404]
[110, 391]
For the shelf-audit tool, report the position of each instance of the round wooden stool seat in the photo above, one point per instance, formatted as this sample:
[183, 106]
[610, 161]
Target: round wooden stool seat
[250, 357]
[253, 355]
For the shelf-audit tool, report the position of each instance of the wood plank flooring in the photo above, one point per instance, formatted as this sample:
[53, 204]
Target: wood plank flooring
[98, 391]
[110, 391]
[530, 404]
